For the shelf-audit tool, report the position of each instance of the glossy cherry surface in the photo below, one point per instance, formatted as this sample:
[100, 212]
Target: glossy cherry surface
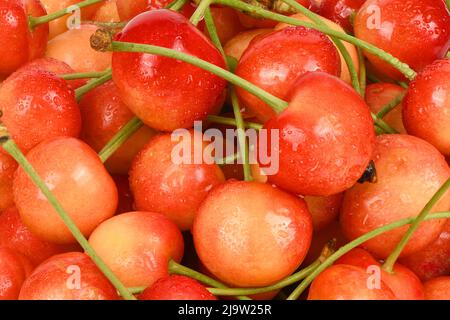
[339, 11]
[324, 210]
[7, 168]
[437, 289]
[14, 269]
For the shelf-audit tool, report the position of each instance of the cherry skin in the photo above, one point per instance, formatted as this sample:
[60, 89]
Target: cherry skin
[7, 168]
[227, 23]
[126, 201]
[324, 210]
[379, 95]
[164, 93]
[437, 289]
[409, 172]
[347, 282]
[77, 178]
[176, 287]
[236, 46]
[273, 62]
[19, 44]
[402, 27]
[128, 9]
[68, 276]
[323, 150]
[103, 114]
[432, 261]
[175, 190]
[38, 105]
[137, 246]
[14, 269]
[267, 228]
[339, 11]
[107, 12]
[427, 106]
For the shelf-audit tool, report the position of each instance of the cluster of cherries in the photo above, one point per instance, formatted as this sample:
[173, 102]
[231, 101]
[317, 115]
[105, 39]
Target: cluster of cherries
[98, 209]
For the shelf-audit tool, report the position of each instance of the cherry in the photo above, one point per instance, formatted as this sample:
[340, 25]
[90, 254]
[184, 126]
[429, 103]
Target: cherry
[128, 9]
[347, 282]
[378, 95]
[227, 23]
[107, 12]
[236, 46]
[103, 114]
[437, 289]
[68, 276]
[324, 210]
[137, 246]
[339, 11]
[402, 27]
[19, 44]
[126, 201]
[175, 190]
[409, 172]
[37, 105]
[427, 106]
[14, 269]
[255, 223]
[273, 62]
[77, 178]
[7, 168]
[81, 57]
[164, 93]
[323, 150]
[176, 287]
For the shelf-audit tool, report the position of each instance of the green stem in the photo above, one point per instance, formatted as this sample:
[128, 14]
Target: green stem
[36, 21]
[390, 261]
[10, 146]
[229, 160]
[402, 84]
[232, 122]
[362, 73]
[200, 11]
[373, 78]
[83, 75]
[212, 31]
[391, 105]
[110, 25]
[177, 5]
[353, 244]
[81, 91]
[383, 125]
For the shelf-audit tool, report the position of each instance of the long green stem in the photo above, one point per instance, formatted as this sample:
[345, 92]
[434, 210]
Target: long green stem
[390, 106]
[81, 91]
[362, 73]
[10, 146]
[200, 11]
[232, 122]
[390, 261]
[83, 75]
[212, 31]
[177, 5]
[383, 125]
[231, 159]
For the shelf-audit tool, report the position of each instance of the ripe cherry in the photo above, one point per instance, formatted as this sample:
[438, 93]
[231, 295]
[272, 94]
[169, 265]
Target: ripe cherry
[7, 168]
[164, 93]
[236, 46]
[402, 27]
[227, 23]
[324, 210]
[77, 178]
[339, 11]
[107, 12]
[19, 44]
[437, 289]
[68, 276]
[176, 287]
[426, 113]
[128, 9]
[38, 105]
[323, 150]
[14, 269]
[138, 246]
[126, 201]
[251, 234]
[409, 172]
[274, 61]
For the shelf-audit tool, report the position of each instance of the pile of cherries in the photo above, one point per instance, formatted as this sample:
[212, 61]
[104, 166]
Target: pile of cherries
[92, 205]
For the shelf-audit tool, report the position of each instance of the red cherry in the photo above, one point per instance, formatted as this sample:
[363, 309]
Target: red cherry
[227, 23]
[176, 287]
[7, 168]
[14, 269]
[77, 178]
[68, 276]
[402, 28]
[427, 106]
[103, 114]
[126, 201]
[38, 105]
[19, 44]
[339, 11]
[409, 172]
[252, 240]
[437, 289]
[165, 93]
[236, 46]
[140, 255]
[323, 149]
[128, 9]
[274, 61]
[324, 210]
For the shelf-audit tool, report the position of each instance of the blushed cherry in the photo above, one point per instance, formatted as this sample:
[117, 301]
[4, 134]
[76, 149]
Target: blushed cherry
[339, 11]
[236, 46]
[7, 168]
[14, 269]
[324, 210]
[437, 289]
[107, 12]
[128, 9]
[227, 23]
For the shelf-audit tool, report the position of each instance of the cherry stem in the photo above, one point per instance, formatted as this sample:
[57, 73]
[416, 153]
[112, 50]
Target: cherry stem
[362, 73]
[177, 5]
[229, 160]
[200, 11]
[232, 122]
[10, 146]
[390, 261]
[391, 105]
[36, 21]
[81, 91]
[383, 125]
[176, 268]
[212, 31]
[110, 25]
[373, 78]
[395, 62]
[83, 75]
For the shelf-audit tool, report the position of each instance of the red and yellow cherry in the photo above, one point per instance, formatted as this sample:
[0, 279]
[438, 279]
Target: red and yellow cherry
[14, 269]
[227, 23]
[19, 44]
[323, 150]
[68, 276]
[324, 210]
[38, 105]
[77, 178]
[402, 28]
[274, 61]
[426, 111]
[409, 172]
[339, 11]
[379, 95]
[236, 46]
[347, 282]
[255, 240]
[176, 287]
[128, 9]
[432, 261]
[437, 289]
[140, 256]
[126, 201]
[107, 12]
[7, 168]
[164, 93]
[103, 114]
[160, 184]
[81, 57]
